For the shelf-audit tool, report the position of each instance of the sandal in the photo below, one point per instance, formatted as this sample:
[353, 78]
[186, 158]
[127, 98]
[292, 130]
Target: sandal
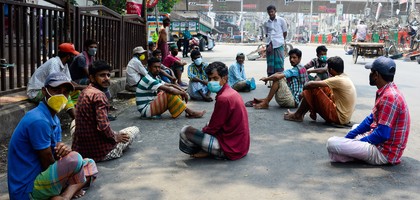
[249, 103]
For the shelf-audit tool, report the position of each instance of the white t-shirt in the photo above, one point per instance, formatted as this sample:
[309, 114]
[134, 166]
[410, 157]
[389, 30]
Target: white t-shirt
[135, 70]
[37, 80]
[361, 32]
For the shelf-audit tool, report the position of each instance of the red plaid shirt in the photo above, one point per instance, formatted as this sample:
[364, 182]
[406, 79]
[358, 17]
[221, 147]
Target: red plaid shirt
[391, 110]
[93, 137]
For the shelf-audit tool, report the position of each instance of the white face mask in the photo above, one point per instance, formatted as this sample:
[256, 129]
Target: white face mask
[198, 61]
[92, 51]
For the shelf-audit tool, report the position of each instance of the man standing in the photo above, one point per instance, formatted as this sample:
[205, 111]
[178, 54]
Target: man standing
[187, 37]
[65, 55]
[227, 133]
[153, 97]
[40, 165]
[135, 69]
[334, 98]
[275, 31]
[361, 31]
[197, 88]
[79, 68]
[162, 43]
[93, 136]
[382, 136]
[237, 78]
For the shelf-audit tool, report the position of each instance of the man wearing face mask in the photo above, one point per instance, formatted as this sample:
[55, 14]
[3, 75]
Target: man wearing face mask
[226, 136]
[93, 136]
[79, 68]
[176, 64]
[135, 69]
[197, 88]
[319, 64]
[166, 73]
[40, 165]
[382, 136]
[65, 55]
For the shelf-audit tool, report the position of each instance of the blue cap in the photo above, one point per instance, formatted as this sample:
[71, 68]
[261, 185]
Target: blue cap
[383, 65]
[58, 78]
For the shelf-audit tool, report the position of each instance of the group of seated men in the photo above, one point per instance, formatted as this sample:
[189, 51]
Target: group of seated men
[38, 156]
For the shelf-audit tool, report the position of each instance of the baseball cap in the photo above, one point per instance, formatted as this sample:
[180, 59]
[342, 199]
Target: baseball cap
[58, 78]
[240, 54]
[138, 50]
[68, 48]
[383, 65]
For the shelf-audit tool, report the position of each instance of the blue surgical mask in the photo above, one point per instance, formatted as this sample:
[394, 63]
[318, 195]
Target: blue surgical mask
[92, 51]
[198, 61]
[323, 58]
[214, 86]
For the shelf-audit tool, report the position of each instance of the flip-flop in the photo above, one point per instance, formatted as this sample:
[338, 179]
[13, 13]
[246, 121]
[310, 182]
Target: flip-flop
[249, 103]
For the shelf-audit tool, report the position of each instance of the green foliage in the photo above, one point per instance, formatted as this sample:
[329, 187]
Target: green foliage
[165, 6]
[115, 5]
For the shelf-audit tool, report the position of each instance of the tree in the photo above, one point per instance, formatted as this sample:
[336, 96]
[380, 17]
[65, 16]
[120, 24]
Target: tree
[164, 6]
[115, 5]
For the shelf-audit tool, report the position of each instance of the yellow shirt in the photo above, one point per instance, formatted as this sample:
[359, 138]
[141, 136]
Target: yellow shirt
[344, 94]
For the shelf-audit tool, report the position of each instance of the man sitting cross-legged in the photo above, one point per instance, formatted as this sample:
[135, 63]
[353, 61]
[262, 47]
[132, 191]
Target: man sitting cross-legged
[333, 99]
[154, 97]
[40, 165]
[227, 133]
[197, 87]
[93, 136]
[287, 86]
[176, 64]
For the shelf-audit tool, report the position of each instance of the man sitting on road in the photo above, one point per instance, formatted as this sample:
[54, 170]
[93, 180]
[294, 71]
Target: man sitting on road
[382, 136]
[40, 165]
[166, 73]
[227, 133]
[153, 97]
[135, 69]
[197, 87]
[93, 136]
[319, 64]
[287, 94]
[176, 64]
[65, 55]
[237, 78]
[79, 68]
[334, 98]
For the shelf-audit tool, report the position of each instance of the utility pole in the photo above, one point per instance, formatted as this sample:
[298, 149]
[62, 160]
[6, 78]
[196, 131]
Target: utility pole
[242, 25]
[310, 20]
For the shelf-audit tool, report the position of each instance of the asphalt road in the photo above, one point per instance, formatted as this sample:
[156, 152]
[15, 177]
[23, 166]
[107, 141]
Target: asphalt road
[287, 160]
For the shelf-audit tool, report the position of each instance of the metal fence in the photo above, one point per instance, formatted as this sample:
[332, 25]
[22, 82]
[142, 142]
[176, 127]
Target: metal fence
[31, 35]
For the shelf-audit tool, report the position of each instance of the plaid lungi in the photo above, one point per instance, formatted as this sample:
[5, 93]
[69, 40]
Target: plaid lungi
[163, 102]
[200, 141]
[71, 169]
[118, 150]
[275, 60]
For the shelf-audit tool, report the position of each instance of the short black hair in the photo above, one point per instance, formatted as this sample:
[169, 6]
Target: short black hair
[89, 42]
[271, 7]
[152, 60]
[296, 52]
[156, 52]
[320, 49]
[166, 20]
[221, 68]
[99, 65]
[151, 44]
[336, 63]
[195, 53]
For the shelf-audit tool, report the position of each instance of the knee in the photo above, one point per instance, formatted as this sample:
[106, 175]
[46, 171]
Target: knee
[332, 143]
[186, 132]
[73, 160]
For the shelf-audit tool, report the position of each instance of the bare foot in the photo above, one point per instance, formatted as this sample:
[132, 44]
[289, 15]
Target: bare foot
[195, 114]
[79, 194]
[258, 100]
[261, 105]
[312, 115]
[291, 116]
[201, 154]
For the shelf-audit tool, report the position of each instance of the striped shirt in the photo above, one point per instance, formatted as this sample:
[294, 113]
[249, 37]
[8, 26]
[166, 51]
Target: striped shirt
[296, 79]
[391, 110]
[147, 91]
